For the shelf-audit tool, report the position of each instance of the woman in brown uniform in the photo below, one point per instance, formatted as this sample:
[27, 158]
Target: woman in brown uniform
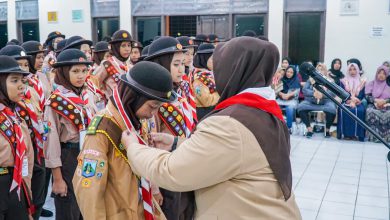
[176, 118]
[104, 184]
[203, 82]
[16, 152]
[68, 112]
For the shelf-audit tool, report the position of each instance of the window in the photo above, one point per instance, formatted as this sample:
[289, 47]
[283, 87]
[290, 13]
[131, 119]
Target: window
[3, 34]
[255, 23]
[105, 27]
[182, 26]
[29, 30]
[147, 28]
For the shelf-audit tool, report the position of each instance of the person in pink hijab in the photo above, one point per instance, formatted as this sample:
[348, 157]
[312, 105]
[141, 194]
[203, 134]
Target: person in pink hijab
[378, 110]
[354, 84]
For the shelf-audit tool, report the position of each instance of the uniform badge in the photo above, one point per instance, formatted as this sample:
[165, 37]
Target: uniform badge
[124, 35]
[99, 175]
[86, 183]
[101, 164]
[89, 168]
[179, 46]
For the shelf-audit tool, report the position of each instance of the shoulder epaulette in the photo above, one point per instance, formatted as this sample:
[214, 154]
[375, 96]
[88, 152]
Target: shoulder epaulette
[94, 125]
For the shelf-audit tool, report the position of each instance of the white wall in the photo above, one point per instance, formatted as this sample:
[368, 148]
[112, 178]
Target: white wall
[125, 16]
[11, 20]
[65, 24]
[349, 36]
[275, 23]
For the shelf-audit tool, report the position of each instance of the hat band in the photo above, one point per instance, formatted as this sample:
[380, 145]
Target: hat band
[146, 89]
[169, 49]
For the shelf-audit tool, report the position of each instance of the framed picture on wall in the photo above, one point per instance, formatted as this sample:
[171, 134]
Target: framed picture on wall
[52, 17]
[77, 16]
[349, 7]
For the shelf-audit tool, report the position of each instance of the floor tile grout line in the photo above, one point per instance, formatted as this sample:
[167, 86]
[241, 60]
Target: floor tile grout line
[307, 166]
[327, 185]
[358, 185]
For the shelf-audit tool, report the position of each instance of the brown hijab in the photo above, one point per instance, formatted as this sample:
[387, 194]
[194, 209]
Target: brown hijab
[247, 62]
[242, 63]
[132, 101]
[115, 51]
[62, 78]
[98, 57]
[4, 99]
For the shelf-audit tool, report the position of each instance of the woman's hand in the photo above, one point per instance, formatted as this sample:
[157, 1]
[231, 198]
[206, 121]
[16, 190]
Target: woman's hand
[162, 141]
[59, 187]
[129, 138]
[159, 198]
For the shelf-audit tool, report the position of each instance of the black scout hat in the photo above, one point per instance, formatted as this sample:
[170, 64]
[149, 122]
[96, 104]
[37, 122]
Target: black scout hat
[15, 51]
[33, 47]
[152, 80]
[101, 46]
[61, 45]
[200, 38]
[144, 53]
[205, 49]
[53, 35]
[136, 44]
[213, 38]
[71, 57]
[75, 41]
[9, 65]
[164, 45]
[187, 42]
[121, 36]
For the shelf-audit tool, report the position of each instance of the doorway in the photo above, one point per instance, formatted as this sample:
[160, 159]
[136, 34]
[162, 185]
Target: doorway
[304, 36]
[218, 25]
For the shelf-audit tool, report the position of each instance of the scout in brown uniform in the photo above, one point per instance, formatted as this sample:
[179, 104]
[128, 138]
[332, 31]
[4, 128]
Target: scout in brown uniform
[237, 160]
[101, 52]
[104, 184]
[68, 112]
[16, 151]
[202, 81]
[136, 51]
[51, 42]
[77, 42]
[175, 118]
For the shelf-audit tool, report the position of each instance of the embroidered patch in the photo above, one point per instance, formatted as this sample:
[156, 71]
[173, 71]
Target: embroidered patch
[89, 168]
[99, 175]
[101, 164]
[173, 119]
[86, 183]
[91, 152]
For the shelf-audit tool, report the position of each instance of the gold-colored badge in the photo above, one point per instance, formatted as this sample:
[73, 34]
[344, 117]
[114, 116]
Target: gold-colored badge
[124, 35]
[179, 46]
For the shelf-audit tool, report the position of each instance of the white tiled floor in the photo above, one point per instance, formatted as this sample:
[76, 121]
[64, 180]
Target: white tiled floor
[336, 180]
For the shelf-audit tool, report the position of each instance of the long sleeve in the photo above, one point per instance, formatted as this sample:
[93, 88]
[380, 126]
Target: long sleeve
[203, 96]
[91, 198]
[212, 155]
[308, 90]
[53, 144]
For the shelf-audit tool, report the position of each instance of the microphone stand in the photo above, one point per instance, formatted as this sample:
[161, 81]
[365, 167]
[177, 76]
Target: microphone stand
[360, 122]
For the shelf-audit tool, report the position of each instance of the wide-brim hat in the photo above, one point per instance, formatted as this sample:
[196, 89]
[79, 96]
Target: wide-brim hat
[33, 47]
[101, 46]
[151, 80]
[70, 57]
[15, 51]
[53, 35]
[205, 49]
[144, 53]
[187, 42]
[201, 38]
[121, 36]
[136, 44]
[10, 65]
[61, 45]
[164, 45]
[76, 41]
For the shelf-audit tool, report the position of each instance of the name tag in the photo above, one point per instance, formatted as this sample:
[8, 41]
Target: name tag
[100, 105]
[82, 138]
[25, 167]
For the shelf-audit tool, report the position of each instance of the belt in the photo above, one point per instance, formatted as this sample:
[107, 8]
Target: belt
[70, 145]
[5, 171]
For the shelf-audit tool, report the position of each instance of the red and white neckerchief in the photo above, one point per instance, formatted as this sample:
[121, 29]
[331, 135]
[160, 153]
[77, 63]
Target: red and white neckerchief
[19, 152]
[79, 102]
[188, 113]
[37, 126]
[145, 186]
[260, 98]
[34, 82]
[95, 90]
[119, 64]
[185, 86]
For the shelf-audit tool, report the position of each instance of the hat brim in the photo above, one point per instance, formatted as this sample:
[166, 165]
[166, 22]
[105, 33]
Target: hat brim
[163, 53]
[99, 51]
[79, 42]
[190, 46]
[35, 52]
[54, 37]
[71, 63]
[19, 71]
[151, 96]
[208, 51]
[27, 57]
[117, 41]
